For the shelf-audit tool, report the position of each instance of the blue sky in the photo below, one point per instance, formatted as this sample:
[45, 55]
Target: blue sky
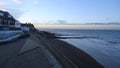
[63, 11]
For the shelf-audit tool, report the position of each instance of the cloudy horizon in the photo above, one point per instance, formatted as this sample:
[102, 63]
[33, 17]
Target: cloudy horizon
[55, 12]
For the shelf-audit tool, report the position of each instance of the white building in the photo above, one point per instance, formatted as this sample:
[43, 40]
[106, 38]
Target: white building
[25, 27]
[17, 24]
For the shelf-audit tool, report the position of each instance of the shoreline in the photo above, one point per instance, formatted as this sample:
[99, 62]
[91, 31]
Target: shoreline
[77, 56]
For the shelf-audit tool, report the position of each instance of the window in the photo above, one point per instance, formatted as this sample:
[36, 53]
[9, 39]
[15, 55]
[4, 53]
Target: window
[5, 20]
[0, 21]
[9, 21]
[1, 14]
[9, 16]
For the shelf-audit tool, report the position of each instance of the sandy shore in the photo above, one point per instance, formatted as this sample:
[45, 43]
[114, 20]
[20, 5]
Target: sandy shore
[77, 56]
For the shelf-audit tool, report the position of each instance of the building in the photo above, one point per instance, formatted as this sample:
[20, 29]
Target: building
[25, 27]
[17, 24]
[28, 27]
[7, 22]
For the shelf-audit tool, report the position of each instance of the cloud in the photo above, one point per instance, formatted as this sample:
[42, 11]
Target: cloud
[114, 23]
[35, 2]
[50, 22]
[2, 6]
[17, 1]
[1, 3]
[16, 13]
[61, 21]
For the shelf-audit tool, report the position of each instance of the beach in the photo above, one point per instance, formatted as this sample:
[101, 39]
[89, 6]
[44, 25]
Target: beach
[101, 45]
[59, 50]
[77, 57]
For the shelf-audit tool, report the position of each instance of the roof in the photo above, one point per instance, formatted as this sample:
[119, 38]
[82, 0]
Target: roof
[1, 11]
[25, 25]
[4, 11]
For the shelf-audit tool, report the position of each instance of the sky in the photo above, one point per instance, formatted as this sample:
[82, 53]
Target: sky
[63, 11]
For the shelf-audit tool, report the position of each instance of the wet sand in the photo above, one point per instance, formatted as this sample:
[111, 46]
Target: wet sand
[77, 56]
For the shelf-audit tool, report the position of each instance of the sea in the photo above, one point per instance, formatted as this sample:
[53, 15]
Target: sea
[102, 45]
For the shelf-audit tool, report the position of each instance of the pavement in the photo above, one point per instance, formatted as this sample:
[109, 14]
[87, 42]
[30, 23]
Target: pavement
[27, 53]
[38, 52]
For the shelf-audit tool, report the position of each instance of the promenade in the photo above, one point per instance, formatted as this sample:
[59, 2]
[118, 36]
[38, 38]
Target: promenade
[37, 51]
[26, 53]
